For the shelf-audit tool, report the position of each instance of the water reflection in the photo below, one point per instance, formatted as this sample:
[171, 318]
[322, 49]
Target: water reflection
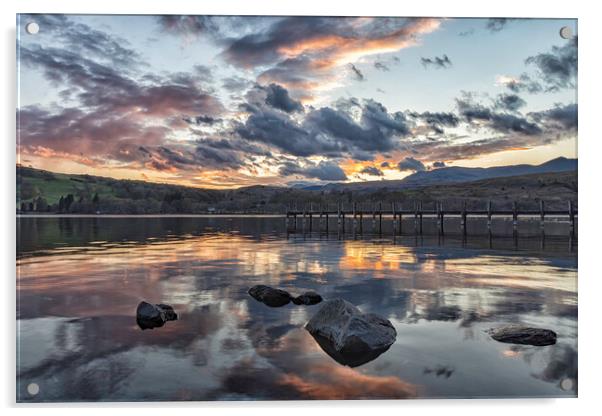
[78, 280]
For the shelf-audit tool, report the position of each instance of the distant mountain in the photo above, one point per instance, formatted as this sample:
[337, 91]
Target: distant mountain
[458, 174]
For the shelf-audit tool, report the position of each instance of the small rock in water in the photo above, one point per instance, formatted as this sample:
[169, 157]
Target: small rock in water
[307, 298]
[349, 336]
[270, 296]
[150, 316]
[516, 334]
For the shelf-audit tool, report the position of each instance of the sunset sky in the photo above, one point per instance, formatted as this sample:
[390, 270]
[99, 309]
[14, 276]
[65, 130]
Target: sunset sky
[214, 101]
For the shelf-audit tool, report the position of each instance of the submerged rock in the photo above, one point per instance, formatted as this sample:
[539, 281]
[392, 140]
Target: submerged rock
[349, 336]
[149, 316]
[270, 296]
[307, 298]
[517, 334]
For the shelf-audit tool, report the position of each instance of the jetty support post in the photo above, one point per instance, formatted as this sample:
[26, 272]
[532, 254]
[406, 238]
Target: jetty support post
[311, 213]
[572, 219]
[394, 218]
[400, 217]
[542, 218]
[354, 218]
[420, 212]
[361, 221]
[463, 219]
[415, 218]
[441, 219]
[514, 220]
[380, 218]
[374, 218]
[489, 219]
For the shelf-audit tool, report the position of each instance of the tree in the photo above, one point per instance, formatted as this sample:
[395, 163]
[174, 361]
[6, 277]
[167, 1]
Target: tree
[95, 199]
[61, 204]
[68, 202]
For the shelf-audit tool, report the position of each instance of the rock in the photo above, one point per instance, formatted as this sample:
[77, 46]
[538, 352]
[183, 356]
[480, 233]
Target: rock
[349, 336]
[307, 298]
[270, 296]
[150, 316]
[516, 334]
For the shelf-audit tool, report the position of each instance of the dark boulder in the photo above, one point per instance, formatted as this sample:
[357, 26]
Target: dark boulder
[149, 316]
[270, 296]
[516, 334]
[349, 336]
[307, 298]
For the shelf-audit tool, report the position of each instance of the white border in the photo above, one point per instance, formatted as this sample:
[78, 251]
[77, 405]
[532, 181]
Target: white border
[590, 138]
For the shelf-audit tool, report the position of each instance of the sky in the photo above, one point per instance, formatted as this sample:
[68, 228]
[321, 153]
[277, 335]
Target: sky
[230, 101]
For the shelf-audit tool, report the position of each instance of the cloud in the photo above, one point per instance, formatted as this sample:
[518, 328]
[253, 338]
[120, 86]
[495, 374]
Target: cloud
[200, 120]
[522, 84]
[560, 117]
[496, 24]
[305, 53]
[409, 163]
[385, 165]
[436, 120]
[278, 97]
[189, 25]
[438, 164]
[496, 121]
[557, 68]
[325, 171]
[442, 62]
[510, 102]
[357, 74]
[381, 66]
[372, 171]
[327, 131]
[468, 32]
[81, 39]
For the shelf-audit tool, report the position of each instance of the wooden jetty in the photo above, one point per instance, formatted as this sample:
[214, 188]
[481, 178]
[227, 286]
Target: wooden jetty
[396, 213]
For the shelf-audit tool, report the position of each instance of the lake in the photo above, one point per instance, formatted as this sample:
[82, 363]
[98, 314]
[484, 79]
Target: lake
[80, 280]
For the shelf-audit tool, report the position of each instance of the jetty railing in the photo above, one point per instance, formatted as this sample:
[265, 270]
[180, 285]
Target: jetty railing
[417, 212]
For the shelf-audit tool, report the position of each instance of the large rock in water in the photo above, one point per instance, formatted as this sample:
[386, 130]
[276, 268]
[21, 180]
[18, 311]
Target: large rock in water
[516, 334]
[307, 298]
[349, 336]
[149, 316]
[270, 296]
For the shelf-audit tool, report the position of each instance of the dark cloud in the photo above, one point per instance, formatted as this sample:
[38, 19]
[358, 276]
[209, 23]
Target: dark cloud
[327, 131]
[436, 120]
[381, 90]
[278, 97]
[510, 102]
[442, 62]
[524, 84]
[496, 121]
[496, 24]
[357, 74]
[200, 120]
[561, 117]
[468, 32]
[372, 171]
[81, 39]
[438, 164]
[409, 163]
[385, 165]
[557, 68]
[189, 25]
[381, 66]
[325, 171]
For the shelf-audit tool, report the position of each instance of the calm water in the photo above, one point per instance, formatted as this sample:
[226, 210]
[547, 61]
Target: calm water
[80, 280]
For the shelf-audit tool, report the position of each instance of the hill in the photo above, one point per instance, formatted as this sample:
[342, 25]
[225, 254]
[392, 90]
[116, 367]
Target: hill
[40, 191]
